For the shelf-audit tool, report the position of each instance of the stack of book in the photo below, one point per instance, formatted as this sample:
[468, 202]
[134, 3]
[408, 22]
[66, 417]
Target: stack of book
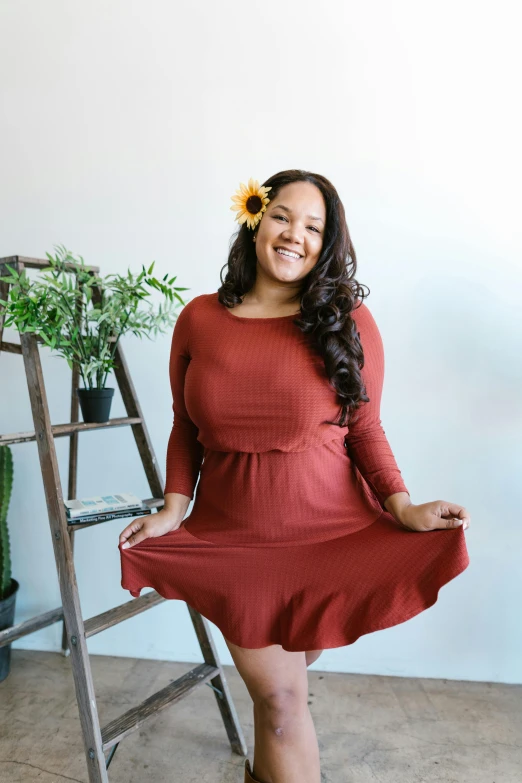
[99, 509]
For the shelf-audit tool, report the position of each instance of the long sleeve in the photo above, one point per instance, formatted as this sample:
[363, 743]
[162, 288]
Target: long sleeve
[184, 451]
[366, 440]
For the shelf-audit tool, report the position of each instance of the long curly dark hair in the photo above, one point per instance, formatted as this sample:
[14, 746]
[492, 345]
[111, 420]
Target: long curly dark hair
[329, 292]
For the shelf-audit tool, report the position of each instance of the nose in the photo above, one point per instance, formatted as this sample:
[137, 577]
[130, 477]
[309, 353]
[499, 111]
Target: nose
[293, 234]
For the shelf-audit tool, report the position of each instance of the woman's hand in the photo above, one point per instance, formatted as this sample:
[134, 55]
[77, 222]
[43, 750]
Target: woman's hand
[149, 526]
[434, 515]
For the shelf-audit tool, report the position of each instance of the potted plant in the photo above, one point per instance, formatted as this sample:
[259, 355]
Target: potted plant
[8, 585]
[81, 316]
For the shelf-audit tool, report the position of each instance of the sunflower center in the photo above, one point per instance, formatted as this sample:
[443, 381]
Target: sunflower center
[254, 204]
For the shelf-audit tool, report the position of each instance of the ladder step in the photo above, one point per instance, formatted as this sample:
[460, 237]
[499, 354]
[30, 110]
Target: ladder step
[119, 728]
[59, 430]
[101, 622]
[39, 263]
[10, 347]
[96, 624]
[9, 635]
[17, 348]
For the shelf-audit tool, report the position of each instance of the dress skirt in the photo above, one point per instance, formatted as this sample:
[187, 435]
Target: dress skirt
[270, 555]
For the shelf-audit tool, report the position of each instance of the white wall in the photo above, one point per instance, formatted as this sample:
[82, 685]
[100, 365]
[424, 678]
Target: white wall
[127, 126]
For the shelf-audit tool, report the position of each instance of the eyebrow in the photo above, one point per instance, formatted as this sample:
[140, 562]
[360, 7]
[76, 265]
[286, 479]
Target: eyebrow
[287, 209]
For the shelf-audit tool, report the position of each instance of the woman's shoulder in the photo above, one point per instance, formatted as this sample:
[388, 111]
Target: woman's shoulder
[365, 322]
[361, 312]
[202, 303]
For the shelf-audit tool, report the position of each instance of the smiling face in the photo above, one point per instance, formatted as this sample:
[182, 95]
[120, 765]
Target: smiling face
[294, 220]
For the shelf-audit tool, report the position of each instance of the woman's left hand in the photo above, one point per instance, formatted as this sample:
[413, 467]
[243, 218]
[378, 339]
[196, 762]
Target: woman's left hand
[434, 515]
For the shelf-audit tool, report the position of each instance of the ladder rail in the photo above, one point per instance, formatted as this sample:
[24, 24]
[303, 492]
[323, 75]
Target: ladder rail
[72, 473]
[84, 685]
[133, 409]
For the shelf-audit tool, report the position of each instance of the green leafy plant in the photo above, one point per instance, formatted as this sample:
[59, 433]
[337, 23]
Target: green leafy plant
[64, 309]
[6, 485]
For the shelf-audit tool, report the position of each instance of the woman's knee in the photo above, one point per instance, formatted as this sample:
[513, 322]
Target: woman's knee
[282, 709]
[276, 680]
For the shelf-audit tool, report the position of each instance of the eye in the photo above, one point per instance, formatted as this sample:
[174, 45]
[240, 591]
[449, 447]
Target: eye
[282, 216]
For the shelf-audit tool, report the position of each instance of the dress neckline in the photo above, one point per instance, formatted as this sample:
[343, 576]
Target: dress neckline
[293, 316]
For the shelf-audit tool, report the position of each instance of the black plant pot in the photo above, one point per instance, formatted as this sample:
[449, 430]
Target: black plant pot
[7, 613]
[95, 404]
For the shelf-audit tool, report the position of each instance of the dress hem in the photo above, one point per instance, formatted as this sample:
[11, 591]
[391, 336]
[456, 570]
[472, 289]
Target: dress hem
[325, 643]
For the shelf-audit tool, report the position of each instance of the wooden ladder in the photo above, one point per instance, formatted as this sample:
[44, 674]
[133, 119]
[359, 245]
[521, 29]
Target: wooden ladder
[76, 630]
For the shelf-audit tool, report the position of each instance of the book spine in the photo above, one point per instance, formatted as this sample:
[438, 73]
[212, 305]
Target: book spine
[109, 515]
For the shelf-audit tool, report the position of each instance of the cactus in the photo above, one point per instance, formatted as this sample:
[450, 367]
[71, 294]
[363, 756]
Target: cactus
[6, 485]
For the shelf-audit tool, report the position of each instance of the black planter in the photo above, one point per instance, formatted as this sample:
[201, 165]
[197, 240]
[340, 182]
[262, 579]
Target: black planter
[7, 613]
[95, 404]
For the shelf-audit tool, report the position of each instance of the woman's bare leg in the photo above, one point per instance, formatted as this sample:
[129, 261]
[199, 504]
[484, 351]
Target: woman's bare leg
[286, 748]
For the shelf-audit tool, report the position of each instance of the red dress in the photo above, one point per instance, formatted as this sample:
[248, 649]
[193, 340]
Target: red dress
[288, 541]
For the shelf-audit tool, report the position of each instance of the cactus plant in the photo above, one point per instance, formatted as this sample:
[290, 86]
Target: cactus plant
[6, 485]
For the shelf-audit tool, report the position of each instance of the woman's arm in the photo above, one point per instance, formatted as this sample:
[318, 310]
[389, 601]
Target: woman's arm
[369, 447]
[366, 440]
[184, 450]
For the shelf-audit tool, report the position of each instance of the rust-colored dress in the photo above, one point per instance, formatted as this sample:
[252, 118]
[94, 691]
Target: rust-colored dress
[288, 541]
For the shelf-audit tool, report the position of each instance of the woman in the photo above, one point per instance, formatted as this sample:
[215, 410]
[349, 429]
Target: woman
[303, 535]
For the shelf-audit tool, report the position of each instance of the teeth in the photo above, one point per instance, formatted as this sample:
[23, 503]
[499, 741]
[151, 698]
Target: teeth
[287, 253]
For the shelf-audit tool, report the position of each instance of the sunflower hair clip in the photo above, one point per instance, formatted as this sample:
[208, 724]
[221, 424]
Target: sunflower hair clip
[250, 202]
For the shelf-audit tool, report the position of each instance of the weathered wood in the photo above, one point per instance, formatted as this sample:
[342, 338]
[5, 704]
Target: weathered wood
[60, 430]
[39, 263]
[8, 347]
[140, 431]
[73, 450]
[4, 291]
[9, 635]
[223, 695]
[16, 347]
[81, 668]
[133, 408]
[131, 720]
[122, 612]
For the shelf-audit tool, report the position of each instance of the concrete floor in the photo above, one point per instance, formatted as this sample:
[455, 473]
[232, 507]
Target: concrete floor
[370, 728]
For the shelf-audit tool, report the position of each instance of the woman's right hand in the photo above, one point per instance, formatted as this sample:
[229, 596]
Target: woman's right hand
[149, 526]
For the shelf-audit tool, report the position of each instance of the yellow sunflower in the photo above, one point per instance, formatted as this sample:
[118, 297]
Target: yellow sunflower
[250, 202]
